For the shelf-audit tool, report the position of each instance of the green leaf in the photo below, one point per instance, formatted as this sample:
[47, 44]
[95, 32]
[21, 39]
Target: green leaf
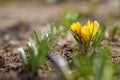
[22, 56]
[97, 39]
[104, 28]
[33, 56]
[101, 63]
[36, 36]
[43, 50]
[115, 30]
[108, 71]
[83, 65]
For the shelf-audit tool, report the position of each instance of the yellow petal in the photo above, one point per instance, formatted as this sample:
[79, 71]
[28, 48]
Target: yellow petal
[88, 23]
[84, 34]
[91, 29]
[75, 27]
[96, 28]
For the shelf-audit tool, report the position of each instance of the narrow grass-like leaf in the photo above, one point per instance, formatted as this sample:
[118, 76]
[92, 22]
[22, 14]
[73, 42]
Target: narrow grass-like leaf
[104, 28]
[115, 30]
[97, 40]
[100, 64]
[83, 65]
[22, 56]
[108, 71]
[43, 50]
[36, 36]
[33, 56]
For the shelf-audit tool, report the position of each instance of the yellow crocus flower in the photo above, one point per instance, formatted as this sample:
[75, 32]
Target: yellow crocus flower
[87, 31]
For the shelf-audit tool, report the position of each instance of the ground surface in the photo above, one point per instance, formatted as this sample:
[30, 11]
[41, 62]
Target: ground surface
[17, 21]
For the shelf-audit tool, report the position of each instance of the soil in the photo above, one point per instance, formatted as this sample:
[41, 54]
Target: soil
[17, 27]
